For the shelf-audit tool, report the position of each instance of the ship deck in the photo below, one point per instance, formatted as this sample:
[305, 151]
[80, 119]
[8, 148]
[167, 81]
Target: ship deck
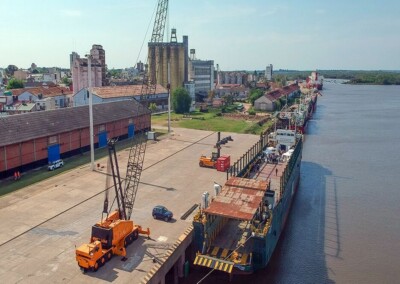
[233, 236]
[269, 171]
[236, 231]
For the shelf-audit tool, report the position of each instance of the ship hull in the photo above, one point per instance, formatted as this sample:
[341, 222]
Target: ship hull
[281, 214]
[213, 231]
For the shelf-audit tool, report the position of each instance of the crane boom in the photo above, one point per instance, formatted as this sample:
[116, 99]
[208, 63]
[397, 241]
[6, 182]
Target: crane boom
[134, 171]
[159, 22]
[138, 149]
[113, 164]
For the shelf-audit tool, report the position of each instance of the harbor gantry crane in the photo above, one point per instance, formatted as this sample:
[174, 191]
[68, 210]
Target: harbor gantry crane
[115, 232]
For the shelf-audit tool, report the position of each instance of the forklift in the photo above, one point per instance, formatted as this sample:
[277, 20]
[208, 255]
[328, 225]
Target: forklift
[211, 162]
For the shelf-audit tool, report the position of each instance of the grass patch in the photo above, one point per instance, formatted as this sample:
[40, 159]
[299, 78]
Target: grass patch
[212, 122]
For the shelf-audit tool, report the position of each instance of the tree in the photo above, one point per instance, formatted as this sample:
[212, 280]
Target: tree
[15, 84]
[11, 69]
[254, 95]
[277, 105]
[65, 80]
[211, 94]
[228, 98]
[152, 107]
[181, 100]
[281, 80]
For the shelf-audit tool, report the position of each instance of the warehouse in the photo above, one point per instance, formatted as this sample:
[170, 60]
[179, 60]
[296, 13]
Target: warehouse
[33, 139]
[159, 96]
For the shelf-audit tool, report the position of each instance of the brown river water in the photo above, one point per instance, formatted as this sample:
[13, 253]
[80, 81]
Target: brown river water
[344, 225]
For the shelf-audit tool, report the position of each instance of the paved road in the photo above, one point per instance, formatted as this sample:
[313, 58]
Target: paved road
[42, 224]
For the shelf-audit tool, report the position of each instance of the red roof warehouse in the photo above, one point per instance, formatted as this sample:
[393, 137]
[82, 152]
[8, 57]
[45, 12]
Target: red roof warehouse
[33, 139]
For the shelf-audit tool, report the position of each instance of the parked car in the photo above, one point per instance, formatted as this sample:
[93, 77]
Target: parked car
[161, 212]
[55, 165]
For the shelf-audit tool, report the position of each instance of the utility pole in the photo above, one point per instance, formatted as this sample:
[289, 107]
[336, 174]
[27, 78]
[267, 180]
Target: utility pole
[89, 57]
[169, 97]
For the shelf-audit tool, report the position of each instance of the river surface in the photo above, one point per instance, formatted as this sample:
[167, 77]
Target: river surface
[344, 226]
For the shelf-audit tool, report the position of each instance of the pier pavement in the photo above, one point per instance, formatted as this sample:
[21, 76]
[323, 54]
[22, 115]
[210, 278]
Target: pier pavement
[42, 223]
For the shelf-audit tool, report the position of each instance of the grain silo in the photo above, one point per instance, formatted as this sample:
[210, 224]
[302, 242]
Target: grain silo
[174, 52]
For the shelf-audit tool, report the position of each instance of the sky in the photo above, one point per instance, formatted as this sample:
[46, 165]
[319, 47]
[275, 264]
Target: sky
[237, 35]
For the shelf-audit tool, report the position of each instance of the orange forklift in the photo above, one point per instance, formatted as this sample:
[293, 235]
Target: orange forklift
[211, 162]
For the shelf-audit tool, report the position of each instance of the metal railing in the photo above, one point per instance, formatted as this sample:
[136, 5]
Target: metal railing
[243, 164]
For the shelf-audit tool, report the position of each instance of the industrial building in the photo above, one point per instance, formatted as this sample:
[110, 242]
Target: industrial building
[236, 77]
[121, 93]
[33, 139]
[201, 72]
[268, 72]
[174, 53]
[79, 69]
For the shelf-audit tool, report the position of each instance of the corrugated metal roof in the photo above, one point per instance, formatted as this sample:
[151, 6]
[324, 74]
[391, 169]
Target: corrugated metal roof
[247, 183]
[278, 93]
[45, 91]
[23, 127]
[123, 91]
[239, 199]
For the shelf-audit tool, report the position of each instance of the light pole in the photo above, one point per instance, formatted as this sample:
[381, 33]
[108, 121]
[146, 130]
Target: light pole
[169, 98]
[89, 57]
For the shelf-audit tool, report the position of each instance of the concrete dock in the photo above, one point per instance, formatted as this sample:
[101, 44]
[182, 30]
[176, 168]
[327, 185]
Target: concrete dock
[41, 224]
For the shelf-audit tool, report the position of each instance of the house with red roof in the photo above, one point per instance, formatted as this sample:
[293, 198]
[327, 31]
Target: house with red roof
[267, 102]
[120, 93]
[62, 96]
[236, 90]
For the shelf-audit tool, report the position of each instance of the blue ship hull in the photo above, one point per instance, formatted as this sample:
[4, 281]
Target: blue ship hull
[252, 250]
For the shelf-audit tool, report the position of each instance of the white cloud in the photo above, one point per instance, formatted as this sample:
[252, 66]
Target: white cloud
[72, 13]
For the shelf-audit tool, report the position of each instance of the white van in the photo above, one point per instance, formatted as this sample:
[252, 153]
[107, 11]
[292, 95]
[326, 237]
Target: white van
[55, 165]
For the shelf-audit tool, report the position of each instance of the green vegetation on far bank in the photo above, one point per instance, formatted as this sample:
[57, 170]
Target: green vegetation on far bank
[378, 77]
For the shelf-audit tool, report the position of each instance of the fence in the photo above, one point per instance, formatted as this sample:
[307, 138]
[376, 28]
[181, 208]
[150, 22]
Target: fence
[243, 164]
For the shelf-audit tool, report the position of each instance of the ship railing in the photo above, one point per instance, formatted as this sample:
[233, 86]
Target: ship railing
[290, 165]
[242, 166]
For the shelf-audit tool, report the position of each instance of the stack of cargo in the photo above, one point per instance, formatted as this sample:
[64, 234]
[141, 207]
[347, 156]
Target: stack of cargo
[223, 163]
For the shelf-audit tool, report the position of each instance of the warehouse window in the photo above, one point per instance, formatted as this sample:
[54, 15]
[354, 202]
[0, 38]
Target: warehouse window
[130, 121]
[102, 128]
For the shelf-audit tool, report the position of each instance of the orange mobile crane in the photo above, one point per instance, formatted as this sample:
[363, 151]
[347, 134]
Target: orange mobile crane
[114, 233]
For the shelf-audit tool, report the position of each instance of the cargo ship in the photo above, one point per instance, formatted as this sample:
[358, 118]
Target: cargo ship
[236, 231]
[315, 81]
[299, 115]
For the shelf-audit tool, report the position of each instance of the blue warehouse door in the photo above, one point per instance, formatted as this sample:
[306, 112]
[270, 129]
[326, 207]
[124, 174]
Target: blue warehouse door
[53, 153]
[102, 139]
[131, 130]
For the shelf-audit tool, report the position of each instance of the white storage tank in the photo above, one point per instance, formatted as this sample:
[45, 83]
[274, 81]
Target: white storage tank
[205, 200]
[217, 188]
